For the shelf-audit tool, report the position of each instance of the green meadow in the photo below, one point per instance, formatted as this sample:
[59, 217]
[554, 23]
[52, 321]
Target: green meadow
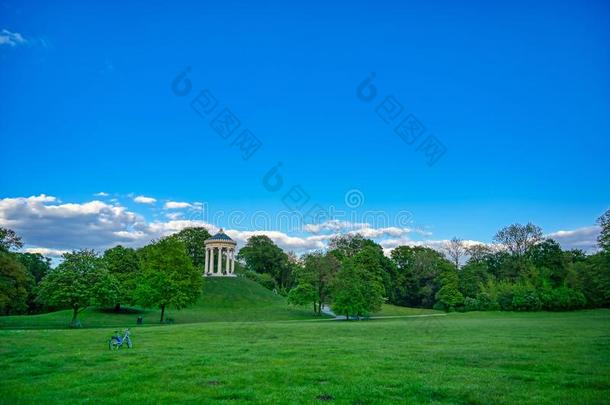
[242, 343]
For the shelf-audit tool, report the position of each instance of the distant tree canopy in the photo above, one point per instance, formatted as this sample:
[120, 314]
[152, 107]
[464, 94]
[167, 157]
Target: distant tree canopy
[522, 271]
[314, 279]
[262, 255]
[15, 285]
[123, 264]
[193, 239]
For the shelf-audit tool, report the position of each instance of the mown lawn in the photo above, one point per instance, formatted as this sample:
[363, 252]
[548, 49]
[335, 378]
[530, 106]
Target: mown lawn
[473, 358]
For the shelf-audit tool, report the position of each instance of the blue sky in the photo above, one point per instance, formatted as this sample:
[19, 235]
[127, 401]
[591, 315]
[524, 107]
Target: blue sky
[518, 94]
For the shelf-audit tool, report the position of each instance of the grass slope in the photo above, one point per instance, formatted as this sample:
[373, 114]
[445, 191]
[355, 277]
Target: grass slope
[474, 358]
[223, 299]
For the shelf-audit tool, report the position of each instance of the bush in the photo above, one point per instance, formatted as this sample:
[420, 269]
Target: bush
[563, 299]
[505, 296]
[264, 279]
[470, 304]
[486, 303]
[525, 298]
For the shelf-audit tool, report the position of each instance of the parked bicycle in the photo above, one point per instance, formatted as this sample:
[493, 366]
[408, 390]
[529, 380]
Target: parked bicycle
[116, 341]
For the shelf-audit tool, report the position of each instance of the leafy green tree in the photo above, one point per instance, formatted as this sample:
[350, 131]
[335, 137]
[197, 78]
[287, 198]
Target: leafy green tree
[124, 264]
[472, 276]
[449, 296]
[418, 278]
[348, 245]
[549, 256]
[15, 284]
[304, 294]
[478, 253]
[79, 281]
[167, 277]
[592, 278]
[261, 255]
[36, 264]
[358, 287]
[317, 274]
[37, 267]
[193, 239]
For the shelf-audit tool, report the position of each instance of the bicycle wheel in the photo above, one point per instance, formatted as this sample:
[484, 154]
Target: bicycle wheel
[113, 344]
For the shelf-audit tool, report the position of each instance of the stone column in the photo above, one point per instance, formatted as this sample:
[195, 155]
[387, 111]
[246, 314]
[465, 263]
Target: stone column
[228, 262]
[220, 261]
[205, 263]
[232, 261]
[211, 268]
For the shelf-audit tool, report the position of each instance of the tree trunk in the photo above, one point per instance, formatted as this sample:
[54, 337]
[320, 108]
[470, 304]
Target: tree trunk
[74, 314]
[162, 313]
[347, 316]
[117, 308]
[314, 308]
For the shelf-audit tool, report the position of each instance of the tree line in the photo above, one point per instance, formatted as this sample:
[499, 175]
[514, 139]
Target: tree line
[164, 273]
[521, 271]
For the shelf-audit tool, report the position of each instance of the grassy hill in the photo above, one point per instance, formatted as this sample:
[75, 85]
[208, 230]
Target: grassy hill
[222, 299]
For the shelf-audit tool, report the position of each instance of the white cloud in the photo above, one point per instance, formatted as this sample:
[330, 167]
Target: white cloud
[11, 39]
[175, 205]
[51, 227]
[174, 215]
[46, 251]
[145, 200]
[44, 222]
[581, 238]
[101, 194]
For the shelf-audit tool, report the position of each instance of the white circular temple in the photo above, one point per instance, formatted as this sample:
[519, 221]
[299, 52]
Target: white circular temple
[220, 249]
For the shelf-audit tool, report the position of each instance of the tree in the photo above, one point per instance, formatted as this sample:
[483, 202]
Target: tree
[519, 238]
[9, 240]
[36, 264]
[303, 294]
[548, 257]
[472, 276]
[603, 239]
[167, 276]
[454, 250]
[418, 274]
[15, 285]
[193, 239]
[124, 264]
[261, 255]
[449, 296]
[478, 252]
[346, 246]
[315, 278]
[78, 282]
[358, 287]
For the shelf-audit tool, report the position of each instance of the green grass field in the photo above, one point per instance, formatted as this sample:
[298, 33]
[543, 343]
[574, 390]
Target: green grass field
[283, 357]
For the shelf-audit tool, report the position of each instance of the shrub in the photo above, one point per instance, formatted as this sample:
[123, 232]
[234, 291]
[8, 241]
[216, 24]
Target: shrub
[470, 304]
[525, 298]
[486, 303]
[563, 299]
[264, 279]
[505, 296]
